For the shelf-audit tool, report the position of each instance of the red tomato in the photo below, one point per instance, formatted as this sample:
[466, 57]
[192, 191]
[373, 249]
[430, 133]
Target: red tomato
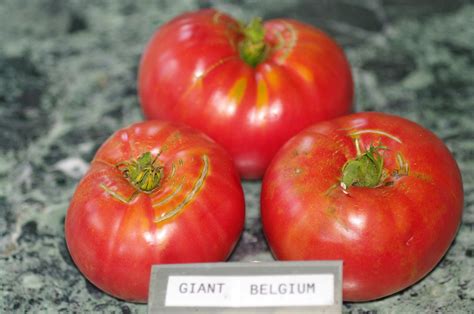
[377, 191]
[249, 88]
[156, 193]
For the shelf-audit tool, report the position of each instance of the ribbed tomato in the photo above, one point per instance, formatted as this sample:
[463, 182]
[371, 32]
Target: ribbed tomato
[155, 193]
[377, 191]
[250, 87]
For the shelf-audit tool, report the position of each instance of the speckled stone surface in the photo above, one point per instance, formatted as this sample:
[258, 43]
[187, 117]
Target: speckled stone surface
[67, 81]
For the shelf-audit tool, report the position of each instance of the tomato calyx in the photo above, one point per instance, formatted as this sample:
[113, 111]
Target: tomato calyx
[252, 47]
[366, 170]
[143, 173]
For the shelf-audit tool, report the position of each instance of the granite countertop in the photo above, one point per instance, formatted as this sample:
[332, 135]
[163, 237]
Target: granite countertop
[68, 81]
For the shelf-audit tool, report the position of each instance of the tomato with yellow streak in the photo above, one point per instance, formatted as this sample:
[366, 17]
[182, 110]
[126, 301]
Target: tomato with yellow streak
[377, 191]
[249, 87]
[155, 193]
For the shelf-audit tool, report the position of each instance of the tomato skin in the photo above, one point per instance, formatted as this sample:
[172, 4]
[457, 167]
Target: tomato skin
[191, 71]
[389, 236]
[114, 242]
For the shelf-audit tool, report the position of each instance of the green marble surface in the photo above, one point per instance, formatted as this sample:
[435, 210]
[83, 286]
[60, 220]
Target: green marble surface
[67, 81]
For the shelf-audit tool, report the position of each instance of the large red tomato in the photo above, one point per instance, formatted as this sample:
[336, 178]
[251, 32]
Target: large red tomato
[155, 193]
[377, 191]
[249, 88]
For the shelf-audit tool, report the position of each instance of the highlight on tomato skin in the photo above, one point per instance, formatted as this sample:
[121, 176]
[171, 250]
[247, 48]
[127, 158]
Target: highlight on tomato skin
[375, 190]
[156, 193]
[249, 87]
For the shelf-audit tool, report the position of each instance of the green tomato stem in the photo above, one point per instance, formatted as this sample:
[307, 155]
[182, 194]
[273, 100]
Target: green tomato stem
[252, 47]
[142, 173]
[366, 170]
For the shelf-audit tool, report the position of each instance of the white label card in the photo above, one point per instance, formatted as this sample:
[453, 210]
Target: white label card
[242, 287]
[250, 291]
